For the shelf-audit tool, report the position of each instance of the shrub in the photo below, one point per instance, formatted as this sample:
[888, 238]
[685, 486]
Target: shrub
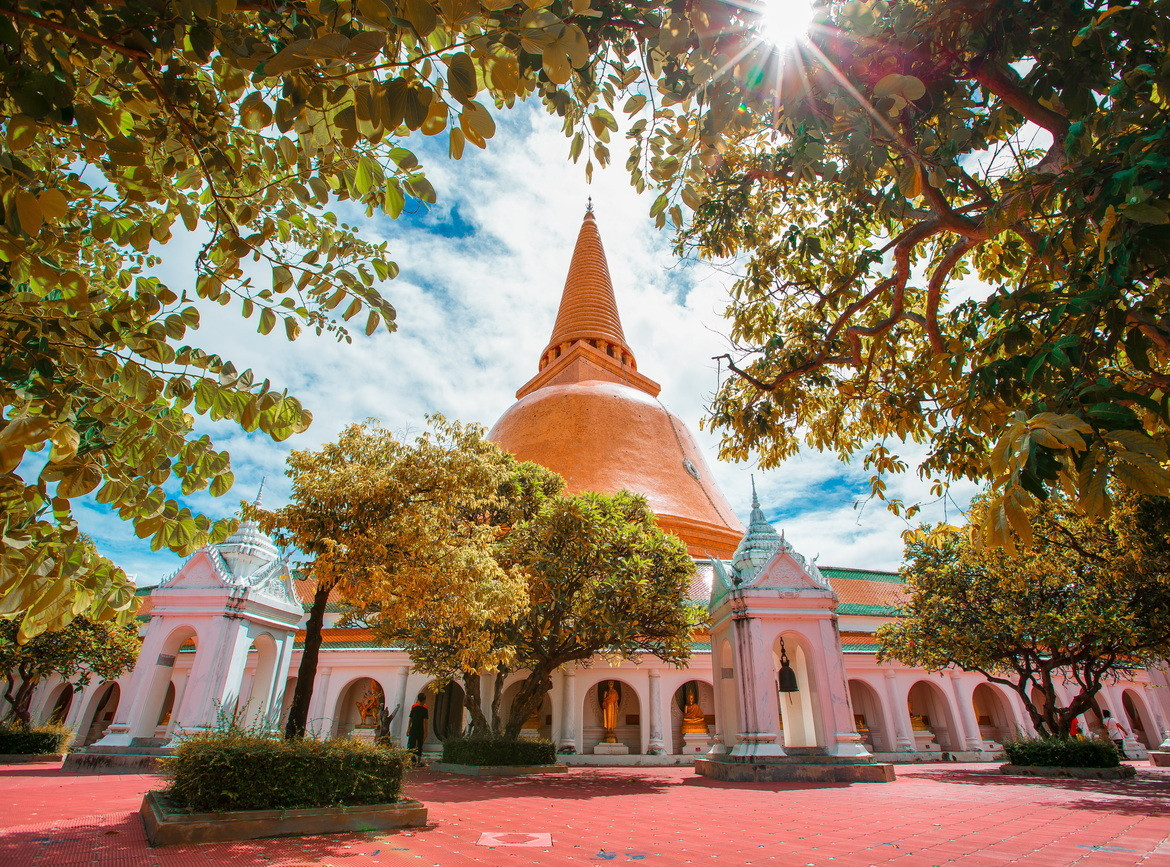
[1063, 752]
[220, 771]
[498, 751]
[34, 741]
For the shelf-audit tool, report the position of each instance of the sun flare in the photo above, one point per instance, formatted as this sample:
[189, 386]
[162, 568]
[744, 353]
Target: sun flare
[785, 22]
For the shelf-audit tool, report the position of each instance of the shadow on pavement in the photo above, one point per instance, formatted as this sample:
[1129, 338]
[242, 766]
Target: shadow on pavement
[431, 787]
[1146, 794]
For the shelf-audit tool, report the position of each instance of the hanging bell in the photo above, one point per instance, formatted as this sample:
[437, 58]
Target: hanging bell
[787, 675]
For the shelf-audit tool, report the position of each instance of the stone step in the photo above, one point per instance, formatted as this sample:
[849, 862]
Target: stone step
[150, 742]
[132, 750]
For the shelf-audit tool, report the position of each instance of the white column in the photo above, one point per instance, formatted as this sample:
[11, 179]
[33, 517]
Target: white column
[657, 746]
[569, 728]
[1162, 730]
[319, 721]
[403, 705]
[839, 726]
[964, 698]
[903, 740]
[144, 688]
[759, 723]
[215, 677]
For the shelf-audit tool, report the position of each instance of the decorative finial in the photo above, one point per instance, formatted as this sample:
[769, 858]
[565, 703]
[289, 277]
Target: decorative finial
[259, 501]
[755, 499]
[589, 205]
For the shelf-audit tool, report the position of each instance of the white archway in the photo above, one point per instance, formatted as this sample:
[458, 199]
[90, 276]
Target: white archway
[868, 717]
[993, 714]
[932, 718]
[703, 694]
[59, 704]
[799, 720]
[359, 693]
[1138, 719]
[152, 698]
[629, 717]
[539, 724]
[104, 706]
[447, 714]
[254, 707]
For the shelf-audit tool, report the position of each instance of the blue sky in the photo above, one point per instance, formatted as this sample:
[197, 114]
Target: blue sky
[481, 275]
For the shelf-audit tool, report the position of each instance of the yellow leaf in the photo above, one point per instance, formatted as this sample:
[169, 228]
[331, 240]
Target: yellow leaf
[22, 131]
[28, 209]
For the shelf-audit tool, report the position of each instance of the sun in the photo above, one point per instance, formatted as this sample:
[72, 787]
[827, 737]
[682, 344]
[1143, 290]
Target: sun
[785, 22]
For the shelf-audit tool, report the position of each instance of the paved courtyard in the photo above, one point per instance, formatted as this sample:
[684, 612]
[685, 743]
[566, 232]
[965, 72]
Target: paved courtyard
[933, 814]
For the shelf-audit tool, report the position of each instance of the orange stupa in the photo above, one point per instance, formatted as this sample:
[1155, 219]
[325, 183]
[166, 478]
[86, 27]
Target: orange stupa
[590, 416]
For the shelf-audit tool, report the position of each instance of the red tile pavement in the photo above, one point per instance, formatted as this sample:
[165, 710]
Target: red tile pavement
[933, 814]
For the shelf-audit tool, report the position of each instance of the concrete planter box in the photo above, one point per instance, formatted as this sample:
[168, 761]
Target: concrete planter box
[1124, 772]
[793, 769]
[165, 827]
[15, 759]
[497, 770]
[1160, 758]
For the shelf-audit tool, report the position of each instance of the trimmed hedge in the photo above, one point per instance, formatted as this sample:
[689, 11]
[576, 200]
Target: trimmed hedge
[497, 751]
[216, 772]
[1063, 752]
[35, 741]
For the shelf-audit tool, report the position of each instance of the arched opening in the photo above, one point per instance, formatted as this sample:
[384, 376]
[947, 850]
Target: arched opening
[867, 716]
[103, 713]
[727, 712]
[254, 707]
[993, 716]
[799, 723]
[624, 709]
[167, 711]
[692, 717]
[160, 701]
[62, 702]
[1094, 719]
[290, 689]
[1138, 719]
[359, 705]
[447, 711]
[539, 722]
[931, 719]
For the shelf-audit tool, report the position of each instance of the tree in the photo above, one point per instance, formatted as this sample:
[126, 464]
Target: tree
[1089, 602]
[83, 649]
[599, 577]
[244, 123]
[873, 176]
[398, 529]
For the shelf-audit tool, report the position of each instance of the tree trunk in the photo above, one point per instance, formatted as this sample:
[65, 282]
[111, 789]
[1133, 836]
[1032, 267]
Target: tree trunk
[529, 698]
[298, 713]
[480, 727]
[497, 698]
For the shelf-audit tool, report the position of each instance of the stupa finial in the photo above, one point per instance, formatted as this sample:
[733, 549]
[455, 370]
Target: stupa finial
[589, 205]
[755, 499]
[259, 501]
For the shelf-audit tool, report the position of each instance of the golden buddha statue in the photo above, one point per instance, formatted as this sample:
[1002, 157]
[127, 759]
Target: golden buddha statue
[919, 723]
[609, 712]
[694, 722]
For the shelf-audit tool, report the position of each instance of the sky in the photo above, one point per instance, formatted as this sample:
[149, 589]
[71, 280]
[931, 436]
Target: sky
[481, 276]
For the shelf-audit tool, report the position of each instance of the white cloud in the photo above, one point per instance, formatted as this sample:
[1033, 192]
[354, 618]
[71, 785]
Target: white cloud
[474, 313]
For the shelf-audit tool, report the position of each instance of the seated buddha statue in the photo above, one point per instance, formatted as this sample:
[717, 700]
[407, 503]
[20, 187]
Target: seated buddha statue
[694, 722]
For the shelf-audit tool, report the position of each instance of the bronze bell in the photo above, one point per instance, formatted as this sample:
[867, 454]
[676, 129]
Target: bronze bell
[787, 675]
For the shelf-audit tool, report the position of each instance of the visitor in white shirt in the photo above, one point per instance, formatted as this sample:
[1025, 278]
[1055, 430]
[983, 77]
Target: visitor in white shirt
[1115, 731]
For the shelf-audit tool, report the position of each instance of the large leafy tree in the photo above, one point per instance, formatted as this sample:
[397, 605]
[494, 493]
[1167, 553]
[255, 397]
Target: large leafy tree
[598, 575]
[952, 220]
[402, 529]
[244, 123]
[81, 650]
[1088, 602]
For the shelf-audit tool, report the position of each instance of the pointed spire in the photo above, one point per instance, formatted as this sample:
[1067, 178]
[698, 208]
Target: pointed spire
[259, 501]
[758, 545]
[588, 311]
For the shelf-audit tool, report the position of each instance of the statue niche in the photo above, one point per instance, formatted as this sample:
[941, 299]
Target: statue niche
[370, 705]
[609, 696]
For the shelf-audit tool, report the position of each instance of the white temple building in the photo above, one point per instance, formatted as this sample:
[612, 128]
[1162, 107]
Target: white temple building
[225, 630]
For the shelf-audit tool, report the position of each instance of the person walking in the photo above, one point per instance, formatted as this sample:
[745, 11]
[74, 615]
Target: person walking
[1115, 731]
[416, 728]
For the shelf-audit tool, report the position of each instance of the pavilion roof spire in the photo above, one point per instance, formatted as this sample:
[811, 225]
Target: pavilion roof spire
[588, 311]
